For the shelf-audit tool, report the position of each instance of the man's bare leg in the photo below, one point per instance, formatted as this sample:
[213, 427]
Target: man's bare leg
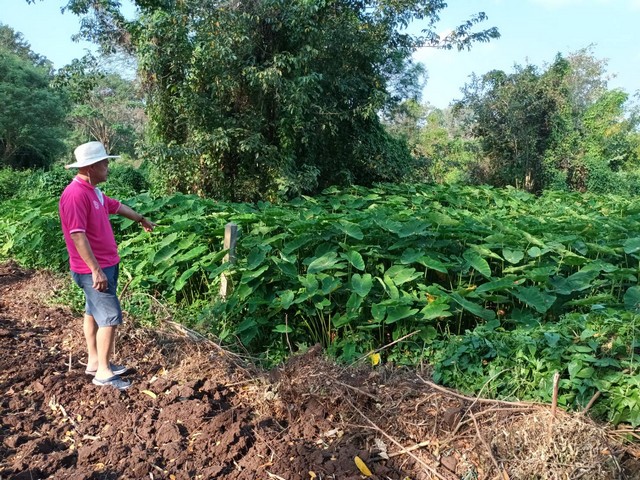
[90, 328]
[104, 345]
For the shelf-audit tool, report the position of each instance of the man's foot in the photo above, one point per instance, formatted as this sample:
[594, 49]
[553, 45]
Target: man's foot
[116, 369]
[114, 381]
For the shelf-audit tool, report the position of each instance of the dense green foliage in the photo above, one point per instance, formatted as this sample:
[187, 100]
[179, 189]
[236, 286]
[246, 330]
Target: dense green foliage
[31, 114]
[478, 280]
[124, 181]
[556, 128]
[104, 106]
[268, 99]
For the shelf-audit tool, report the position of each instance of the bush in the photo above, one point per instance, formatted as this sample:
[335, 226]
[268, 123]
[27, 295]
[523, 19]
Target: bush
[48, 182]
[11, 182]
[125, 181]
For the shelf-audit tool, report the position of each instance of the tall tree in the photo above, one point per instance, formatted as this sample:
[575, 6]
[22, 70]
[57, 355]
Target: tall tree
[254, 99]
[105, 106]
[556, 127]
[31, 113]
[513, 116]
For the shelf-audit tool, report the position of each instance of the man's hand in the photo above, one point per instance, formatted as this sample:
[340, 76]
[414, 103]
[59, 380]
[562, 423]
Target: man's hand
[100, 281]
[147, 224]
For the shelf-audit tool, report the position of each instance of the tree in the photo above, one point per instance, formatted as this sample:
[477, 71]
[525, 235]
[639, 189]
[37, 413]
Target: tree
[14, 42]
[105, 106]
[31, 113]
[257, 99]
[513, 117]
[556, 127]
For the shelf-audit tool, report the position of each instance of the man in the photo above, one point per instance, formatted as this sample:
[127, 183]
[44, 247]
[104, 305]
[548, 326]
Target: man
[93, 258]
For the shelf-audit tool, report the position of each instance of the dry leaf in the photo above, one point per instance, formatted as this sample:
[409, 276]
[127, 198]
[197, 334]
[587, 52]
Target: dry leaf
[150, 393]
[382, 447]
[362, 466]
[312, 474]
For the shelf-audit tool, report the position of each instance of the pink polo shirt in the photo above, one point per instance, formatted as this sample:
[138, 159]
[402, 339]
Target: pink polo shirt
[83, 208]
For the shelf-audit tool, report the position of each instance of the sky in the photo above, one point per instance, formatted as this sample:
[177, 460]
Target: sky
[532, 32]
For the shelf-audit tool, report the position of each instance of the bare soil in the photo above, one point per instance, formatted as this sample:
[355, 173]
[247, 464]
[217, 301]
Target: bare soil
[198, 411]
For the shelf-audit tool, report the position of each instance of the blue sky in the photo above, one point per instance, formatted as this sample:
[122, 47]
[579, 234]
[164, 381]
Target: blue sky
[532, 31]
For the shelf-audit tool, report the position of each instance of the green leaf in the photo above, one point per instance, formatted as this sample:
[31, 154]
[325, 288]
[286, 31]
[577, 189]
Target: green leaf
[250, 275]
[354, 301]
[398, 312]
[165, 253]
[439, 218]
[286, 298]
[534, 297]
[361, 284]
[410, 255]
[191, 253]
[325, 262]
[534, 252]
[401, 274]
[435, 310]
[186, 275]
[575, 283]
[434, 264]
[500, 284]
[631, 245]
[355, 259]
[378, 311]
[330, 284]
[477, 262]
[350, 229]
[255, 258]
[473, 308]
[282, 328]
[632, 299]
[512, 256]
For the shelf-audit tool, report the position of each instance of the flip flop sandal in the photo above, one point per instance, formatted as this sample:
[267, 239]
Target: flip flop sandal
[114, 381]
[116, 369]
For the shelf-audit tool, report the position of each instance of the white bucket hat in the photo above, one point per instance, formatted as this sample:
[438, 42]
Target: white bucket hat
[88, 154]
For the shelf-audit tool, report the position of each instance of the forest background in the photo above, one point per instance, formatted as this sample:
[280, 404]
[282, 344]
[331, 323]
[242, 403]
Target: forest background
[290, 116]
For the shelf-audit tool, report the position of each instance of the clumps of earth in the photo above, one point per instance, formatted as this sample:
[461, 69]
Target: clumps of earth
[198, 411]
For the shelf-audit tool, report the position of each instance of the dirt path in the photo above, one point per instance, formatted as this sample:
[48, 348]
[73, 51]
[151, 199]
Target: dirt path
[196, 411]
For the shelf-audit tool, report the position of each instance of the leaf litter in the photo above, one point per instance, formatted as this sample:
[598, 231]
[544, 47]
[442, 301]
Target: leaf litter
[196, 410]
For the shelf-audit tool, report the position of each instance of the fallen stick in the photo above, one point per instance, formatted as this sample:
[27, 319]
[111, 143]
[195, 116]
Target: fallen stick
[554, 400]
[591, 402]
[384, 347]
[435, 386]
[355, 389]
[426, 443]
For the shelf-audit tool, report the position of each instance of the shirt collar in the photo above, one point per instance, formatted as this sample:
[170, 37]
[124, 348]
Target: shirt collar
[83, 182]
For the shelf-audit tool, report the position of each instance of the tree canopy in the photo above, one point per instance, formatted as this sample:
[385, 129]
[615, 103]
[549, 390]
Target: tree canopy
[553, 127]
[31, 113]
[260, 99]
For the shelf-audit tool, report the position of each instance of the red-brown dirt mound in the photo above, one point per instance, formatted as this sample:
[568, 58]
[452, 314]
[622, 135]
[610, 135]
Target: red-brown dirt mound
[198, 411]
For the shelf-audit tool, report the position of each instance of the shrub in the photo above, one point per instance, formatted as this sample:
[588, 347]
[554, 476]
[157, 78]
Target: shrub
[11, 182]
[125, 181]
[48, 182]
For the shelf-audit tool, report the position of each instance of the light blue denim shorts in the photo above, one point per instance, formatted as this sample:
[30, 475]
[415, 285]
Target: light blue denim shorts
[104, 307]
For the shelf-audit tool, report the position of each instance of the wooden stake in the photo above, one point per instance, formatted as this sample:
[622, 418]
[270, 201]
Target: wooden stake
[554, 401]
[230, 240]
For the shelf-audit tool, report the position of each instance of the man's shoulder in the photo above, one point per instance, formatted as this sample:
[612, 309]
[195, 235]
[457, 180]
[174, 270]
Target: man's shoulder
[72, 192]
